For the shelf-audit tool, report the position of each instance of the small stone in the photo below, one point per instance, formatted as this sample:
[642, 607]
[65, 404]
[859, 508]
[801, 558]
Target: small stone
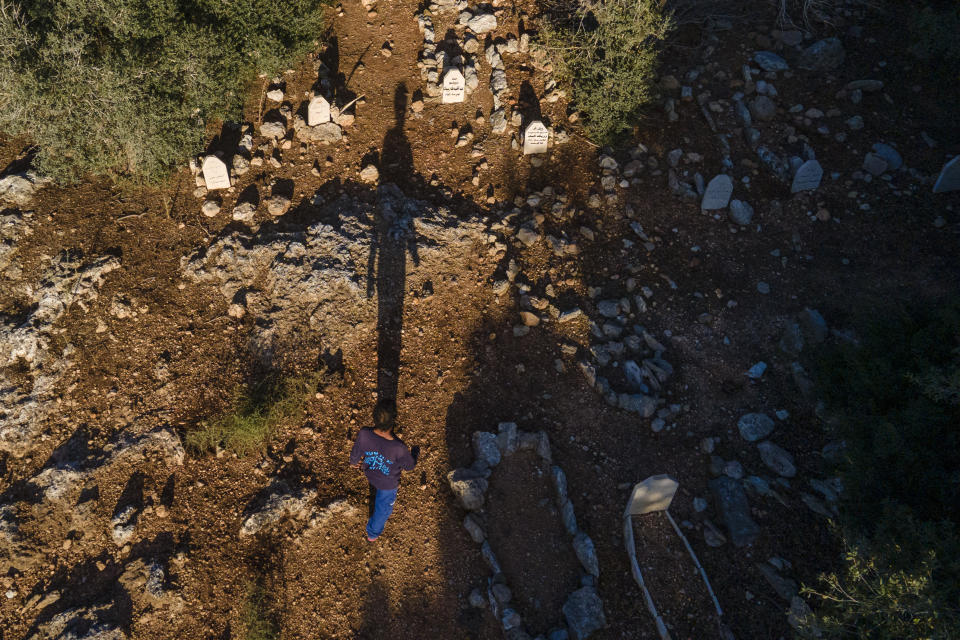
[583, 612]
[277, 205]
[874, 164]
[476, 599]
[763, 108]
[586, 553]
[769, 61]
[755, 426]
[855, 123]
[756, 371]
[718, 192]
[823, 54]
[485, 448]
[777, 459]
[370, 174]
[740, 212]
[244, 212]
[889, 154]
[482, 23]
[210, 208]
[473, 527]
[469, 486]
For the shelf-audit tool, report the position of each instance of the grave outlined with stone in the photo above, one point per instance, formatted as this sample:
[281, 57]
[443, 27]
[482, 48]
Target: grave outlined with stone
[583, 608]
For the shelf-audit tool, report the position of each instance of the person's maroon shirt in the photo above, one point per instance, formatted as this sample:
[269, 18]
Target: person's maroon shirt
[383, 459]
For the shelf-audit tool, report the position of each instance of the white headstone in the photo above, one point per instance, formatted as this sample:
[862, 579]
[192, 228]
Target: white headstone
[653, 494]
[215, 173]
[318, 111]
[454, 86]
[807, 177]
[717, 195]
[535, 138]
[949, 179]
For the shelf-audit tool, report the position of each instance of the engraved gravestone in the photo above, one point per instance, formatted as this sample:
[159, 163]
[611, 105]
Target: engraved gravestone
[535, 138]
[454, 87]
[717, 195]
[807, 177]
[215, 173]
[949, 179]
[318, 111]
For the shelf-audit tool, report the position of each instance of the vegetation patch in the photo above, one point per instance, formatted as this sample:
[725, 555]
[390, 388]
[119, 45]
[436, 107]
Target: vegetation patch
[127, 87]
[257, 622]
[607, 52]
[255, 413]
[895, 402]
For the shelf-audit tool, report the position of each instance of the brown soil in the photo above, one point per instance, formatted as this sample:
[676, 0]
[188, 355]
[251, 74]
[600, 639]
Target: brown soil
[462, 369]
[678, 593]
[527, 534]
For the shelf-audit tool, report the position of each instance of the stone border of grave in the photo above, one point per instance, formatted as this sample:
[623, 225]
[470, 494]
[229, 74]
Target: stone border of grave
[652, 495]
[583, 608]
[434, 64]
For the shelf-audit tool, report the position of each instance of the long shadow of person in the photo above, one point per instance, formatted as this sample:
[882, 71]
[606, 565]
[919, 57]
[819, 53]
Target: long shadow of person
[393, 237]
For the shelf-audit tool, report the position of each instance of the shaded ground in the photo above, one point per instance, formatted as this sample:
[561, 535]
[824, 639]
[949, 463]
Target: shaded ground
[527, 535]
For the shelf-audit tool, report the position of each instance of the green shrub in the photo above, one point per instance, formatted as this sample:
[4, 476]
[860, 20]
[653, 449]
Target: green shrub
[255, 413]
[126, 87]
[607, 52]
[895, 401]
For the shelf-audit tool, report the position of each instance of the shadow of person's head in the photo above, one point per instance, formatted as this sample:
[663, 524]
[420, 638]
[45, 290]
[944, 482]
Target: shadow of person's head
[400, 102]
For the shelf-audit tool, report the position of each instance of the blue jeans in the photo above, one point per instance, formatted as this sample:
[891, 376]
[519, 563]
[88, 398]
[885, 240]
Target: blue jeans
[382, 508]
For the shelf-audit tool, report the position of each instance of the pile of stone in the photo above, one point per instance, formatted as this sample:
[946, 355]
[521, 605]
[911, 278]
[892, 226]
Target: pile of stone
[583, 609]
[449, 72]
[498, 86]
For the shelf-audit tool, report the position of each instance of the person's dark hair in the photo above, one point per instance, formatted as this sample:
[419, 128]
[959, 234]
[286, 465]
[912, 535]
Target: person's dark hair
[384, 416]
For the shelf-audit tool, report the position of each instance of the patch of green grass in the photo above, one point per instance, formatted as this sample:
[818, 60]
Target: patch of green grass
[255, 413]
[255, 617]
[606, 51]
[126, 88]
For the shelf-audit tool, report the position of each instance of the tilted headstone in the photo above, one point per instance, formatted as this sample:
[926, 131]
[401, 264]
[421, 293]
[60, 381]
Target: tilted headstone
[318, 111]
[807, 177]
[535, 138]
[949, 179]
[653, 494]
[215, 173]
[454, 86]
[717, 195]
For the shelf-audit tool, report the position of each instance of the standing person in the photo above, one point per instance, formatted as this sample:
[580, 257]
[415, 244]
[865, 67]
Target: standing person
[382, 456]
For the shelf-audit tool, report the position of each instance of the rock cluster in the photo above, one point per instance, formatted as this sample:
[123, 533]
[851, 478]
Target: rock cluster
[281, 500]
[295, 279]
[583, 609]
[28, 344]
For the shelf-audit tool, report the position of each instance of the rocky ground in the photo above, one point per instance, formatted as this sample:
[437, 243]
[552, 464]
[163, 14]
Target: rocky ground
[644, 310]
